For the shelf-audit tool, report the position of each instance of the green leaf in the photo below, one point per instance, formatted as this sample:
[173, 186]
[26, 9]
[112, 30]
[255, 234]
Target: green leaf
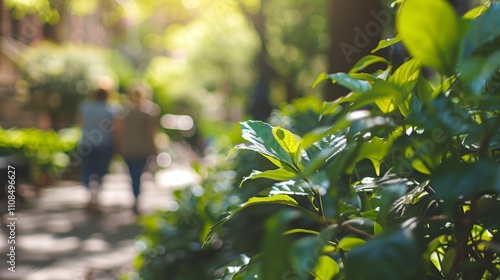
[260, 134]
[290, 187]
[387, 43]
[323, 76]
[249, 271]
[320, 152]
[443, 87]
[407, 74]
[306, 252]
[476, 71]
[483, 29]
[280, 174]
[421, 25]
[385, 95]
[475, 12]
[454, 180]
[301, 231]
[326, 269]
[353, 84]
[388, 256]
[348, 243]
[367, 61]
[287, 141]
[374, 150]
[232, 210]
[255, 148]
[277, 247]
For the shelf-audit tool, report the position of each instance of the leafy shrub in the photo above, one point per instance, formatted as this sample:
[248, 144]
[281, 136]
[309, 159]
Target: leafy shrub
[397, 180]
[47, 151]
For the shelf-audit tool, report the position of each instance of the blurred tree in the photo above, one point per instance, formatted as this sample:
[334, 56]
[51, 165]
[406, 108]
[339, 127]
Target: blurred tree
[58, 77]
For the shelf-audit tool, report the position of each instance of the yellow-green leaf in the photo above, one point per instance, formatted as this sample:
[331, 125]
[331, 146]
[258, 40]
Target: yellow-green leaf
[286, 139]
[326, 269]
[431, 31]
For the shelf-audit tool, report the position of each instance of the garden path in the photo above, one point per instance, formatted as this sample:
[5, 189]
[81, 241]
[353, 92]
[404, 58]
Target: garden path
[57, 239]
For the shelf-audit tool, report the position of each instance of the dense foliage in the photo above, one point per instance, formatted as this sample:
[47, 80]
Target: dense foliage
[48, 152]
[397, 180]
[58, 77]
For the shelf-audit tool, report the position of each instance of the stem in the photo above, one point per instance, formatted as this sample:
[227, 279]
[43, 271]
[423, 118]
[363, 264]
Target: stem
[463, 234]
[355, 231]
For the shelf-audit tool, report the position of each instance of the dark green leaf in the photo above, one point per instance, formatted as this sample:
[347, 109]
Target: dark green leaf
[456, 180]
[280, 174]
[391, 256]
[406, 75]
[289, 188]
[260, 134]
[232, 210]
[483, 30]
[306, 252]
[476, 71]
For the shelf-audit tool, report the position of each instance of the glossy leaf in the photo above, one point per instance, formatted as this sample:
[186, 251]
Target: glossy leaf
[353, 84]
[387, 43]
[367, 61]
[232, 210]
[326, 269]
[307, 251]
[260, 134]
[291, 187]
[483, 29]
[280, 174]
[423, 36]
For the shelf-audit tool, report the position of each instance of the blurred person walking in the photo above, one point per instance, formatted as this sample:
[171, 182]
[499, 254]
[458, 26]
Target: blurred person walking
[98, 142]
[136, 133]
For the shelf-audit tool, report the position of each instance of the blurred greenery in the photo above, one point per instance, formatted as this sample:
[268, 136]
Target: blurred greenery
[367, 188]
[47, 151]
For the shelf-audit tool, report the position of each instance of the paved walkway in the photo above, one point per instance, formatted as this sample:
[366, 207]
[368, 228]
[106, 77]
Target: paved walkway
[57, 239]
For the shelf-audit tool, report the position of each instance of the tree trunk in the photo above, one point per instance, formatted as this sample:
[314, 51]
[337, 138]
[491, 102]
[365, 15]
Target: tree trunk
[260, 107]
[355, 28]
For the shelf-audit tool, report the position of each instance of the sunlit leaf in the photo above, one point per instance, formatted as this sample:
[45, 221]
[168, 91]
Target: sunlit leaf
[326, 269]
[291, 187]
[423, 36]
[407, 74]
[349, 243]
[367, 61]
[260, 134]
[475, 12]
[230, 211]
[280, 174]
[309, 248]
[353, 84]
[287, 141]
[323, 76]
[387, 43]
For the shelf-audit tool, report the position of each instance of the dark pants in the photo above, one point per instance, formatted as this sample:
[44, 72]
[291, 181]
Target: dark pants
[136, 167]
[96, 163]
